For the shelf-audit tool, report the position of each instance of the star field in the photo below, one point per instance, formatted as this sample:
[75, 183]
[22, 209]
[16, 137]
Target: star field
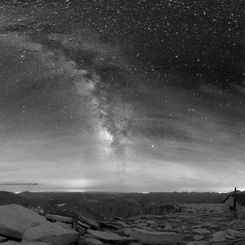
[112, 95]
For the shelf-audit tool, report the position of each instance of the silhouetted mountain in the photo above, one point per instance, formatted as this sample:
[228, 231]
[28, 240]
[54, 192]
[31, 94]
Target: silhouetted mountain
[93, 204]
[9, 198]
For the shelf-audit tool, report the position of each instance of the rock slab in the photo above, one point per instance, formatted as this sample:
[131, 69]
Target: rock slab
[3, 239]
[23, 243]
[15, 220]
[153, 237]
[89, 241]
[50, 233]
[59, 218]
[201, 231]
[109, 236]
[89, 221]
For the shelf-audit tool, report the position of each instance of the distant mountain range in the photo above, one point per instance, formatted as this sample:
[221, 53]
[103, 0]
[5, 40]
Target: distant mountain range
[95, 204]
[19, 183]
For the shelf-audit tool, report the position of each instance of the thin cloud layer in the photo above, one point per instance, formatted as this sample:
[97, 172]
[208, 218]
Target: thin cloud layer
[88, 108]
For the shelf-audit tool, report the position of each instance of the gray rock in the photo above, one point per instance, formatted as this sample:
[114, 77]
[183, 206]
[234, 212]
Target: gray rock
[240, 243]
[153, 237]
[59, 218]
[50, 233]
[109, 236]
[89, 241]
[64, 225]
[198, 237]
[3, 239]
[174, 220]
[89, 221]
[213, 226]
[219, 236]
[196, 226]
[198, 243]
[151, 222]
[227, 236]
[235, 233]
[23, 243]
[123, 224]
[10, 243]
[81, 230]
[201, 231]
[33, 243]
[83, 225]
[15, 220]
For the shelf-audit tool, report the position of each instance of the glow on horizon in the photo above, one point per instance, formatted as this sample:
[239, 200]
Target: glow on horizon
[65, 126]
[77, 183]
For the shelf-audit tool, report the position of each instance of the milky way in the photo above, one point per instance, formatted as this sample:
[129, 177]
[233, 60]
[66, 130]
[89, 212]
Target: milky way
[122, 96]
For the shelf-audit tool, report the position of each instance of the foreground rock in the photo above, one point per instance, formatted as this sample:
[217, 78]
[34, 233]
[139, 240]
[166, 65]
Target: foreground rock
[83, 225]
[92, 223]
[219, 236]
[3, 239]
[190, 227]
[50, 233]
[201, 231]
[109, 236]
[89, 241]
[198, 243]
[235, 233]
[23, 243]
[153, 237]
[198, 237]
[15, 220]
[63, 219]
[64, 225]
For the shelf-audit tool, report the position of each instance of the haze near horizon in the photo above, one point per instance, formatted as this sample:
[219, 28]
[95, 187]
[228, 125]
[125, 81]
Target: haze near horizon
[122, 96]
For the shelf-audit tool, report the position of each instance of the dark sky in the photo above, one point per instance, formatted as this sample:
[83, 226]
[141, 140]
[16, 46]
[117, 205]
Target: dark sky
[123, 95]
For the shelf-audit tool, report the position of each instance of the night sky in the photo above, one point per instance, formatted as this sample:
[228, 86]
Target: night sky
[126, 95]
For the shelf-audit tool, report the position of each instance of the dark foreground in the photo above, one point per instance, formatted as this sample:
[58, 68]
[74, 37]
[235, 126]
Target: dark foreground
[113, 218]
[196, 224]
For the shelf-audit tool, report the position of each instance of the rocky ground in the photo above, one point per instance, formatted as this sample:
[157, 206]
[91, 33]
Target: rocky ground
[191, 226]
